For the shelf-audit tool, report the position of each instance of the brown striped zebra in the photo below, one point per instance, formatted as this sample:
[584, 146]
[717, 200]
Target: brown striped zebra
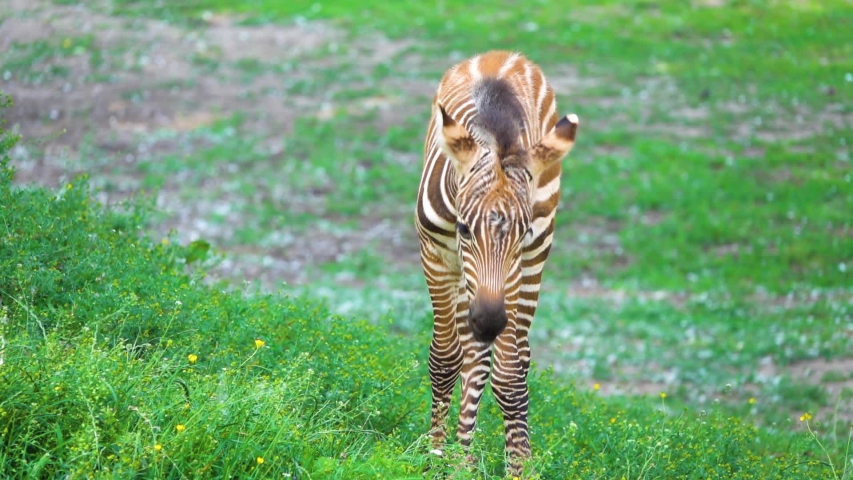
[485, 218]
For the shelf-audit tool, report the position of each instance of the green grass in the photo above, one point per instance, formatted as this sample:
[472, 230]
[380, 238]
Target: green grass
[33, 62]
[777, 216]
[727, 224]
[779, 39]
[118, 361]
[713, 166]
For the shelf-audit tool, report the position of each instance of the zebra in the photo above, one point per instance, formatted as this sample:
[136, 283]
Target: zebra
[485, 219]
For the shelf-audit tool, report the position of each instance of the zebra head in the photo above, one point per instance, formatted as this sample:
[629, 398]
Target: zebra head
[496, 186]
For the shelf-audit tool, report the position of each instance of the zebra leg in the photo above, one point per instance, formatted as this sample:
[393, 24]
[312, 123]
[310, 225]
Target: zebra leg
[532, 262]
[509, 384]
[445, 363]
[475, 374]
[445, 353]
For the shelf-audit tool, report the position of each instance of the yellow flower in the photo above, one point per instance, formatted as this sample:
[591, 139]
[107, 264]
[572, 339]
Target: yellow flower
[158, 447]
[596, 387]
[752, 400]
[260, 460]
[180, 427]
[259, 343]
[612, 420]
[662, 395]
[165, 241]
[66, 43]
[57, 388]
[192, 357]
[805, 417]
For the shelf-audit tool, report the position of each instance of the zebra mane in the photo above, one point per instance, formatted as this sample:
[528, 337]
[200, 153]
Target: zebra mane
[499, 113]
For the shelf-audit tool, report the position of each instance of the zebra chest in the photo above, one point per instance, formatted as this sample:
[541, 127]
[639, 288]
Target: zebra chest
[446, 250]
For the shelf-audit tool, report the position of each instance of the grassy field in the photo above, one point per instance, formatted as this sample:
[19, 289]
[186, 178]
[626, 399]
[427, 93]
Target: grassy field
[118, 363]
[704, 245]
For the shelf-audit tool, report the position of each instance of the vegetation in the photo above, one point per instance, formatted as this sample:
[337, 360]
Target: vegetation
[118, 363]
[702, 256]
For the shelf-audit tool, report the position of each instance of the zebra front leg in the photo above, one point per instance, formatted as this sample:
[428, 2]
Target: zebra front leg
[509, 384]
[446, 358]
[445, 353]
[475, 374]
[445, 363]
[532, 262]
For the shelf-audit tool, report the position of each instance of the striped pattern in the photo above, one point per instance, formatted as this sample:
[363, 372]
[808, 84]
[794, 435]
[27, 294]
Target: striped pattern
[485, 218]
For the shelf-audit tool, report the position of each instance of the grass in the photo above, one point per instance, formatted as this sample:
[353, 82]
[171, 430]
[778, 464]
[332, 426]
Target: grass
[708, 195]
[118, 361]
[729, 222]
[19, 61]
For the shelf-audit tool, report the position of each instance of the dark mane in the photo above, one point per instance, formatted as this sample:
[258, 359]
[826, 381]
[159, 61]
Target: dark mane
[499, 113]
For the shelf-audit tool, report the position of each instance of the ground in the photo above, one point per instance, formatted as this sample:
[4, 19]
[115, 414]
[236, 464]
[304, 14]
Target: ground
[294, 149]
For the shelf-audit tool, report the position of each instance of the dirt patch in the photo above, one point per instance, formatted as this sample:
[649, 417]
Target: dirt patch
[645, 100]
[567, 82]
[589, 288]
[650, 218]
[594, 237]
[23, 30]
[636, 380]
[753, 152]
[728, 250]
[816, 371]
[153, 77]
[833, 375]
[162, 77]
[800, 299]
[691, 113]
[638, 388]
[608, 150]
[785, 124]
[270, 43]
[709, 3]
[598, 13]
[660, 108]
[143, 86]
[287, 263]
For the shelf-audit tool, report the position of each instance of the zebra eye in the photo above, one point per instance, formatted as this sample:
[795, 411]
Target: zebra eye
[463, 230]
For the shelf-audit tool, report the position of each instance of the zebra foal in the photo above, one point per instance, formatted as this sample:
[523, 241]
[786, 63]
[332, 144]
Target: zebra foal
[485, 219]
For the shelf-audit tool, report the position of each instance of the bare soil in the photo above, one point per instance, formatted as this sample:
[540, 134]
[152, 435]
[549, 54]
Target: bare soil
[835, 376]
[153, 87]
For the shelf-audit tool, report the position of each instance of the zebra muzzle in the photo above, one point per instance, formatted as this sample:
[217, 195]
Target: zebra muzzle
[487, 318]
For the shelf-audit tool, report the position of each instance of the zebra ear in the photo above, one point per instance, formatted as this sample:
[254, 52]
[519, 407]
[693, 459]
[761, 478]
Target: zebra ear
[555, 145]
[456, 143]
